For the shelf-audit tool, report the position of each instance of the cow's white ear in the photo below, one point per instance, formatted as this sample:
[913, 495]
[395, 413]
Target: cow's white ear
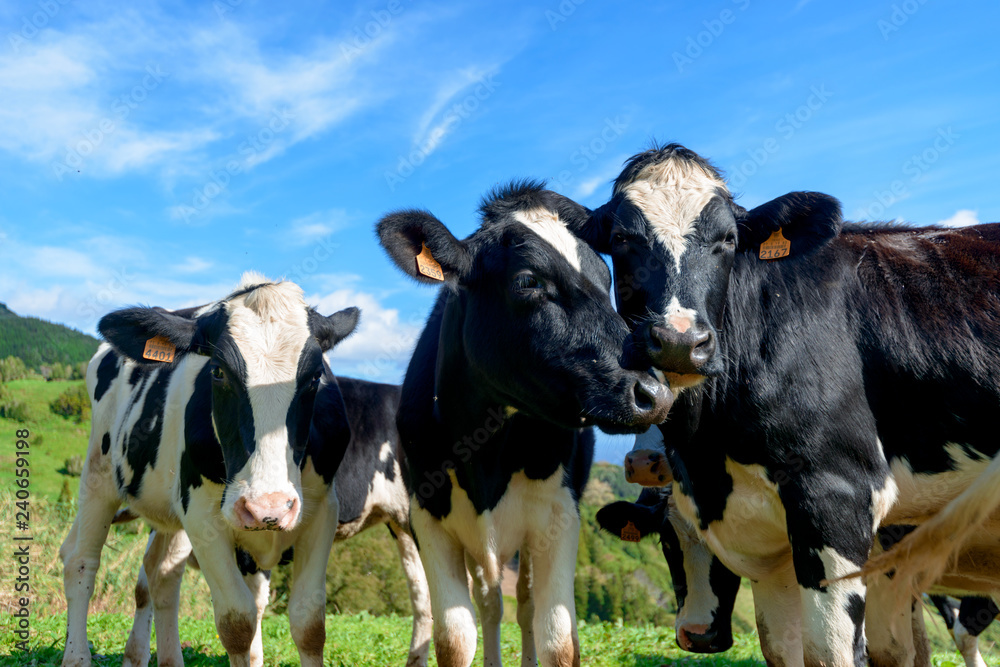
[128, 330]
[423, 247]
[331, 330]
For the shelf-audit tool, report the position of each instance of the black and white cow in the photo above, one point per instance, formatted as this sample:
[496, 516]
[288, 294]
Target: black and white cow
[370, 492]
[214, 443]
[856, 381]
[520, 354]
[966, 620]
[705, 589]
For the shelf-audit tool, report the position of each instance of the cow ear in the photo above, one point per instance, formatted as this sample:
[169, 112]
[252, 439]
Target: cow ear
[407, 234]
[129, 329]
[807, 219]
[596, 229]
[331, 330]
[616, 516]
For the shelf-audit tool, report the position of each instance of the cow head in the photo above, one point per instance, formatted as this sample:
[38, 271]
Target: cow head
[529, 318]
[674, 233]
[705, 589]
[263, 357]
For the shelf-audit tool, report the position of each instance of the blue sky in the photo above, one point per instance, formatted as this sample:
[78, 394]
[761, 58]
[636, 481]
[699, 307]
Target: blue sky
[150, 154]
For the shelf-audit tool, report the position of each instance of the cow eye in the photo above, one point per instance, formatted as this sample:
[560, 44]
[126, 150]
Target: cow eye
[526, 282]
[316, 377]
[619, 241]
[218, 375]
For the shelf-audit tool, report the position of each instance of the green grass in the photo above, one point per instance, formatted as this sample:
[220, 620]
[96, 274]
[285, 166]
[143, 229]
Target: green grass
[61, 438]
[353, 641]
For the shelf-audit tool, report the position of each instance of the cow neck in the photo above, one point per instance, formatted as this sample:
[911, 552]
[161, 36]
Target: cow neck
[461, 403]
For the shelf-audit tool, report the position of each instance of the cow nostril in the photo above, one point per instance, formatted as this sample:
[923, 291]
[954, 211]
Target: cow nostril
[290, 504]
[643, 401]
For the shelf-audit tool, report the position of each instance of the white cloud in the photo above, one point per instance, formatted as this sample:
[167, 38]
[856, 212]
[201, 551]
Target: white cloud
[428, 137]
[380, 347]
[312, 227]
[193, 265]
[602, 177]
[962, 218]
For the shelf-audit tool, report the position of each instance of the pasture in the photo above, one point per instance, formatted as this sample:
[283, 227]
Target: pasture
[365, 583]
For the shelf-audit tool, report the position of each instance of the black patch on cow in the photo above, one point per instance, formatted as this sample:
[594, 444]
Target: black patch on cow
[135, 375]
[106, 444]
[976, 614]
[246, 562]
[855, 608]
[310, 369]
[202, 455]
[119, 478]
[144, 439]
[107, 371]
[287, 556]
[371, 412]
[230, 402]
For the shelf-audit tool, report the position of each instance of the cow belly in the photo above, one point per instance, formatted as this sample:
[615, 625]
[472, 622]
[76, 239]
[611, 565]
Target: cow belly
[751, 539]
[530, 511]
[924, 494]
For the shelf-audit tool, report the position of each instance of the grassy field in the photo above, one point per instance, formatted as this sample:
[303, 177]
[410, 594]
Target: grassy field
[357, 580]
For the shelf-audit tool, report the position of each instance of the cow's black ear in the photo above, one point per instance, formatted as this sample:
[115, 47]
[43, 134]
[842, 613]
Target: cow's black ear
[331, 330]
[596, 229]
[129, 329]
[405, 234]
[807, 219]
[617, 515]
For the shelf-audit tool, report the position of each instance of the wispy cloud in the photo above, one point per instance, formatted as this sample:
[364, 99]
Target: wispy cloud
[311, 228]
[436, 122]
[962, 218]
[193, 265]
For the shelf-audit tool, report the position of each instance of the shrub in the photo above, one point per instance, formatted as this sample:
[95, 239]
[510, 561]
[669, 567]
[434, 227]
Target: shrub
[74, 402]
[11, 408]
[74, 465]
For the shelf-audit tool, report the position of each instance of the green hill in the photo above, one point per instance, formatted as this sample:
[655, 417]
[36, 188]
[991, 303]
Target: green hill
[39, 342]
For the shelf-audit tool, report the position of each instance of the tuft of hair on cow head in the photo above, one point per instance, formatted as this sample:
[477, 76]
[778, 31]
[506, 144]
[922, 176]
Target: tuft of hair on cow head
[405, 234]
[807, 219]
[128, 330]
[330, 330]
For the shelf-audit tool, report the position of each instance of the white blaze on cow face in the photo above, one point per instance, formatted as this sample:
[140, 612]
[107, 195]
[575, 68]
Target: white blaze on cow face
[546, 224]
[270, 327]
[671, 195]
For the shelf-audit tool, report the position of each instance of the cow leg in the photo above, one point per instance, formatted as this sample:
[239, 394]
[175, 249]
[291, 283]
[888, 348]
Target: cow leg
[81, 550]
[921, 642]
[307, 600]
[420, 597]
[444, 563]
[553, 562]
[974, 615]
[526, 609]
[489, 601]
[259, 585]
[157, 594]
[831, 526]
[889, 627]
[778, 611]
[233, 602]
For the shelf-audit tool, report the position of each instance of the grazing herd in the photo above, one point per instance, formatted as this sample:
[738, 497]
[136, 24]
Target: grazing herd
[815, 400]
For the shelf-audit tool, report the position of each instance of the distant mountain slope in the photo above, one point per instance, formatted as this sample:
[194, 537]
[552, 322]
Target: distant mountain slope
[38, 342]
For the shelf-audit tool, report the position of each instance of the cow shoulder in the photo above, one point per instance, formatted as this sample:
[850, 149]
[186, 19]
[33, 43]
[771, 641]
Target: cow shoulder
[809, 220]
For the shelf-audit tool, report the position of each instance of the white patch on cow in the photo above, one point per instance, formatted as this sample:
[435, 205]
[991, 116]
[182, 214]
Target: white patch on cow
[270, 327]
[883, 499]
[751, 539]
[671, 195]
[679, 317]
[546, 224]
[921, 495]
[652, 439]
[701, 602]
[827, 629]
[385, 500]
[968, 645]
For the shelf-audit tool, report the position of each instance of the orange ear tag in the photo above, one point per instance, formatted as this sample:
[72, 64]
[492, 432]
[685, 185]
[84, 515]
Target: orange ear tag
[159, 348]
[427, 265]
[776, 246]
[630, 533]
